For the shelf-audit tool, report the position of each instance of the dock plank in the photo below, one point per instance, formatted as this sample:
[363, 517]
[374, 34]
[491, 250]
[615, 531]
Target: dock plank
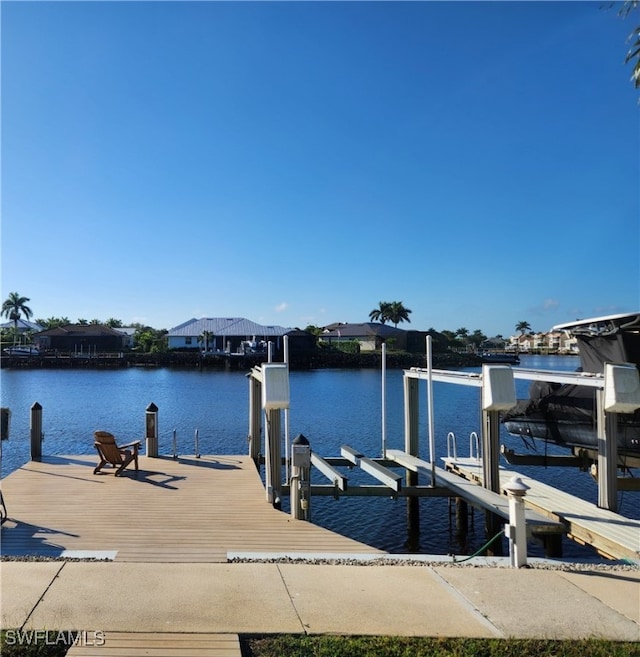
[611, 534]
[159, 644]
[185, 510]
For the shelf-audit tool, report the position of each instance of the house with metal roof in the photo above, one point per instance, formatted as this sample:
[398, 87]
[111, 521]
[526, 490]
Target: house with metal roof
[21, 325]
[225, 335]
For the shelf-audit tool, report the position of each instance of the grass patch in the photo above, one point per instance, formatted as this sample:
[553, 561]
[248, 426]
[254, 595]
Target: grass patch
[35, 643]
[384, 646]
[51, 643]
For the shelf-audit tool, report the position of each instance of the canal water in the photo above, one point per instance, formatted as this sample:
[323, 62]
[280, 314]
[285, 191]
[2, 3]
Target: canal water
[330, 407]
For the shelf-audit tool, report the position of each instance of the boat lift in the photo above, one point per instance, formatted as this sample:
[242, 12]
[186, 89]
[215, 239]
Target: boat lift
[617, 391]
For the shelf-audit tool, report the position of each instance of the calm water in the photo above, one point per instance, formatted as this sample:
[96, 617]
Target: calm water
[330, 407]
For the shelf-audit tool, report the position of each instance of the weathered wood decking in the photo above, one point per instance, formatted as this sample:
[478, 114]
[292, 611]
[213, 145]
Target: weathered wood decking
[189, 510]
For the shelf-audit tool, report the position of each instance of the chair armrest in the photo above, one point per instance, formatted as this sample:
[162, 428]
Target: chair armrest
[135, 444]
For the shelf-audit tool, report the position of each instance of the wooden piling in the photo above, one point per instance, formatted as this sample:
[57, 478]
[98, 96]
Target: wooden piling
[151, 430]
[462, 517]
[36, 432]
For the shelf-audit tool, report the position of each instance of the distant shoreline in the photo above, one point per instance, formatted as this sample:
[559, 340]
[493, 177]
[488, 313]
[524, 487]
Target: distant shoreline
[308, 360]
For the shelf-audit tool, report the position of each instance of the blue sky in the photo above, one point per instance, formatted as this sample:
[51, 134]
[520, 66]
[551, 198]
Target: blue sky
[296, 163]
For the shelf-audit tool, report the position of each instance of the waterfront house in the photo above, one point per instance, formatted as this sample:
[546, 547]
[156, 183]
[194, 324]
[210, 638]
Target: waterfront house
[225, 335]
[22, 326]
[82, 339]
[370, 335]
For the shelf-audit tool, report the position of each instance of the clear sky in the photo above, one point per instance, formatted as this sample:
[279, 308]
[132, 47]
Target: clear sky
[297, 163]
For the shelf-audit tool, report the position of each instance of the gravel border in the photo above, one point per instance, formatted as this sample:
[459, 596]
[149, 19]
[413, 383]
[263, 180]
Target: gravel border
[565, 566]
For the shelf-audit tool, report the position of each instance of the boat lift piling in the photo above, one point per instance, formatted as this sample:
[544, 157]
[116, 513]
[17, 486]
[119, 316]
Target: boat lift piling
[268, 383]
[498, 393]
[621, 394]
[412, 447]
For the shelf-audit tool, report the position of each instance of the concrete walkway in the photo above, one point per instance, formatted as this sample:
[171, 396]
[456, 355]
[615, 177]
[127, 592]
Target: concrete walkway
[376, 599]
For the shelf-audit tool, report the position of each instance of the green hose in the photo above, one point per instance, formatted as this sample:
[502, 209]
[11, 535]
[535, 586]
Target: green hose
[482, 549]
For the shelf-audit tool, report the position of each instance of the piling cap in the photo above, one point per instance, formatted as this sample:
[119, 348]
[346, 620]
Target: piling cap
[300, 440]
[516, 487]
[152, 408]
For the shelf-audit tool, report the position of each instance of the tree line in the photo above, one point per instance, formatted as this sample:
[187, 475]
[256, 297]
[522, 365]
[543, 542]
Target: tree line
[149, 339]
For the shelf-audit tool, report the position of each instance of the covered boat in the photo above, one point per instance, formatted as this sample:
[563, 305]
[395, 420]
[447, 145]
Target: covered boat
[566, 414]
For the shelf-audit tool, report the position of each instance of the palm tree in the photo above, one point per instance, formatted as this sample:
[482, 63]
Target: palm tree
[204, 339]
[381, 313]
[13, 307]
[634, 52]
[397, 313]
[523, 327]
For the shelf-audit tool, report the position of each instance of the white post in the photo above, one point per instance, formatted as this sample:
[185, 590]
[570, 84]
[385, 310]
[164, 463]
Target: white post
[287, 453]
[432, 448]
[516, 530]
[384, 400]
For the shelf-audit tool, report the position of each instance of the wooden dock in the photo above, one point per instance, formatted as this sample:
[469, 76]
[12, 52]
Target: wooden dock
[610, 534]
[159, 644]
[185, 510]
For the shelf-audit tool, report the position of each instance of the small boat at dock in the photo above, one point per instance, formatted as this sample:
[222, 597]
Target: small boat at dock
[22, 351]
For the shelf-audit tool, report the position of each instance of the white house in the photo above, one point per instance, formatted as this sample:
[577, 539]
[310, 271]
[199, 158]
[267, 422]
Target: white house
[223, 334]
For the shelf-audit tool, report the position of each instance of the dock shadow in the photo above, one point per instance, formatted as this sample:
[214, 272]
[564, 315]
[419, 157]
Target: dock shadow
[619, 577]
[143, 476]
[64, 460]
[622, 522]
[146, 477]
[217, 463]
[21, 539]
